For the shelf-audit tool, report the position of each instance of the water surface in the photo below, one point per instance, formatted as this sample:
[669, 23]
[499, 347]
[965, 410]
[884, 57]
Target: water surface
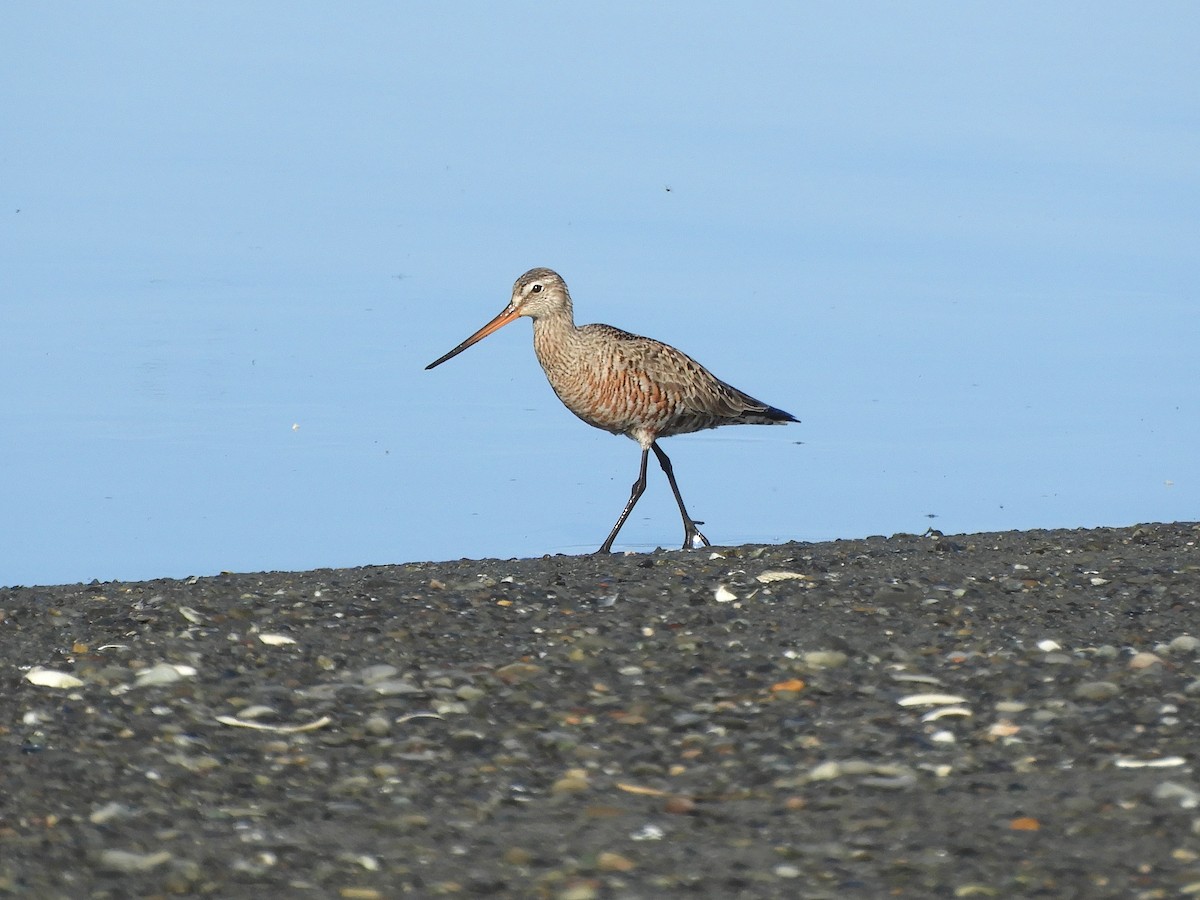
[958, 243]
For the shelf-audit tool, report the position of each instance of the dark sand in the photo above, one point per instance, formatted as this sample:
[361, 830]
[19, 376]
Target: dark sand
[577, 727]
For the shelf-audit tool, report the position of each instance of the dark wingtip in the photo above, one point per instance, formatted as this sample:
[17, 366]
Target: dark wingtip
[778, 415]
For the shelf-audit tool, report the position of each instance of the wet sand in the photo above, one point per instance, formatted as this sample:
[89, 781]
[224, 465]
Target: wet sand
[990, 715]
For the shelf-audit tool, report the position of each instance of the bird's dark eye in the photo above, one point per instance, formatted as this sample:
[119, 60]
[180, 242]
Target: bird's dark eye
[536, 289]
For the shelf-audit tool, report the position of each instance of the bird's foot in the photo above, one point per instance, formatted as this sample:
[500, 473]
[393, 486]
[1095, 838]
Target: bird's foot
[692, 538]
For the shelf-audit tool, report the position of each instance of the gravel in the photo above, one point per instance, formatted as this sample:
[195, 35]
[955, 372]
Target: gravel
[989, 715]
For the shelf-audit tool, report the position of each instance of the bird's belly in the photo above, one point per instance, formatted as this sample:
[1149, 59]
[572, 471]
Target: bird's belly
[620, 406]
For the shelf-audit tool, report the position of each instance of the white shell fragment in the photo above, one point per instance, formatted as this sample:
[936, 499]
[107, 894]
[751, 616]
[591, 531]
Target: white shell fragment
[276, 640]
[915, 678]
[648, 832]
[278, 729]
[52, 679]
[931, 700]
[1171, 792]
[725, 595]
[776, 575]
[107, 813]
[256, 712]
[943, 711]
[164, 673]
[1164, 762]
[419, 714]
[881, 774]
[191, 615]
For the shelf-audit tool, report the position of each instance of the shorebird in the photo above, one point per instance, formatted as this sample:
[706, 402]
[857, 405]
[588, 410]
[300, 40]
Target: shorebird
[624, 383]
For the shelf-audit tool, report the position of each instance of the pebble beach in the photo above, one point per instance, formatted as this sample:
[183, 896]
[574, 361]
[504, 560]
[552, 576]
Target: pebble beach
[987, 715]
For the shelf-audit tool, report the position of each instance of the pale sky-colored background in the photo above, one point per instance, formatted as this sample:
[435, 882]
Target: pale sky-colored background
[958, 240]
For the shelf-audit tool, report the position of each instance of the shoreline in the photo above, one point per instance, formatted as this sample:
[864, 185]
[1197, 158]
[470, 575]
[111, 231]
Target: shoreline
[999, 714]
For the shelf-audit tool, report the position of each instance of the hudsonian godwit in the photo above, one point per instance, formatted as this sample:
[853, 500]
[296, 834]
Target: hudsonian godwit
[624, 383]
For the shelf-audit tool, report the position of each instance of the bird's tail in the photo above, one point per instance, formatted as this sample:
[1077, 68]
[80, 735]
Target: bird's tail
[745, 409]
[773, 415]
[759, 413]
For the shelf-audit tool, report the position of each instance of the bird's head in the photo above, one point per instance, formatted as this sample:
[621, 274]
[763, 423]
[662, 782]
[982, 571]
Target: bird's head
[537, 293]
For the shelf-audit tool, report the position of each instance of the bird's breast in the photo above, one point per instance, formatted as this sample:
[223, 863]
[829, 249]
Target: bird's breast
[597, 377]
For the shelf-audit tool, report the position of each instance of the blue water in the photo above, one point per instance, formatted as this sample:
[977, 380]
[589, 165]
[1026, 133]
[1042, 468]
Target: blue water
[958, 242]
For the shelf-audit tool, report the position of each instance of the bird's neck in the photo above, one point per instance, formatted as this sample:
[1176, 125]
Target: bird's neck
[554, 339]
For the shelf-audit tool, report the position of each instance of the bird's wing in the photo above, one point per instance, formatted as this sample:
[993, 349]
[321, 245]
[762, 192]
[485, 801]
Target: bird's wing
[677, 374]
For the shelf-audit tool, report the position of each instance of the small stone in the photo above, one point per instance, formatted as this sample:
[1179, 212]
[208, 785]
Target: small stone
[1185, 643]
[824, 659]
[514, 673]
[786, 871]
[583, 890]
[377, 726]
[1144, 660]
[574, 781]
[518, 856]
[1146, 713]
[679, 805]
[1096, 691]
[614, 862]
[128, 863]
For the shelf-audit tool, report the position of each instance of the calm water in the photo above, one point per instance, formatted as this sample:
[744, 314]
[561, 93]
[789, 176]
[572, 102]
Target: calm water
[958, 242]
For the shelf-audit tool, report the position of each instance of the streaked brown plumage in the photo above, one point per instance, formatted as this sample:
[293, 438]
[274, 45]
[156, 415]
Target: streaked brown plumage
[624, 383]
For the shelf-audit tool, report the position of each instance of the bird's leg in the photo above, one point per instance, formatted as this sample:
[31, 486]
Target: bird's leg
[639, 488]
[690, 531]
